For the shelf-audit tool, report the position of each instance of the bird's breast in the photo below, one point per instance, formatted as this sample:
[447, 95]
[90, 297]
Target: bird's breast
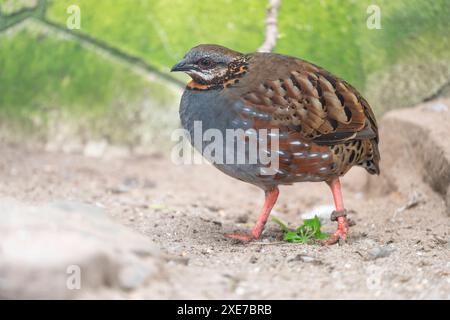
[209, 114]
[207, 107]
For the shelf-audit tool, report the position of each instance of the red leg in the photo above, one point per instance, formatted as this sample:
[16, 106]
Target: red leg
[271, 198]
[342, 229]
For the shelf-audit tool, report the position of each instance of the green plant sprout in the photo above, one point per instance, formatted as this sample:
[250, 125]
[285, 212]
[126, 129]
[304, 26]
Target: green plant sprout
[307, 233]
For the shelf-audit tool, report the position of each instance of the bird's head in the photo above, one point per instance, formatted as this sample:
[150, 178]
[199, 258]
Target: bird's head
[209, 64]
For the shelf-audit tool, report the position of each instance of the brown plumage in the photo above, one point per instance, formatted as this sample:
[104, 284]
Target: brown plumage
[313, 106]
[325, 126]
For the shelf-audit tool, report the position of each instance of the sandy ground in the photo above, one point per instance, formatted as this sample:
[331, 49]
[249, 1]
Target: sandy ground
[186, 209]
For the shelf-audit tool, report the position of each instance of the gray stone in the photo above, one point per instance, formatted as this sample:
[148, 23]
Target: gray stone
[134, 275]
[414, 148]
[380, 252]
[306, 259]
[68, 249]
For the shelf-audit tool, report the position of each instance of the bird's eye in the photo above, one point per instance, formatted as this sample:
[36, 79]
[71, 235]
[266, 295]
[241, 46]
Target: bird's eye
[205, 63]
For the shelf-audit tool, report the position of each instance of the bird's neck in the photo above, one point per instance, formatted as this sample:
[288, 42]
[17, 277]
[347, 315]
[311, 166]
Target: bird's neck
[236, 69]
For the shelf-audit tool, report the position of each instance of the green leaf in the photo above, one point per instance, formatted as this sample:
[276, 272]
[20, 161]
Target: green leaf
[313, 223]
[292, 236]
[308, 231]
[321, 236]
[305, 239]
[282, 225]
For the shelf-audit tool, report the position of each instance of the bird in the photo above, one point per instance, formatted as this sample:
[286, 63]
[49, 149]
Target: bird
[322, 124]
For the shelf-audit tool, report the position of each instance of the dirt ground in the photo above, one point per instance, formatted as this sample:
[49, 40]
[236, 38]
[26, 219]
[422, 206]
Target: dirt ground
[186, 210]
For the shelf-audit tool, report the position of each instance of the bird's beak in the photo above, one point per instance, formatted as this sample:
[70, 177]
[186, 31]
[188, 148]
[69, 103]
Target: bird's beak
[181, 66]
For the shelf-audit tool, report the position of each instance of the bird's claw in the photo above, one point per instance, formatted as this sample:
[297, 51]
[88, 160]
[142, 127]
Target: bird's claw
[340, 237]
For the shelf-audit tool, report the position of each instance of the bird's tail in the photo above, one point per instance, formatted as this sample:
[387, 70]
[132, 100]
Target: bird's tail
[371, 163]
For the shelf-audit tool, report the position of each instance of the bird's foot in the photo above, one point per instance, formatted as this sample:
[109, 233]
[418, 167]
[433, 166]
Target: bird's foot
[340, 236]
[271, 198]
[241, 236]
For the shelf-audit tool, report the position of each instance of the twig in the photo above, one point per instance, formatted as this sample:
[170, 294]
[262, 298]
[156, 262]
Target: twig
[268, 243]
[414, 199]
[270, 40]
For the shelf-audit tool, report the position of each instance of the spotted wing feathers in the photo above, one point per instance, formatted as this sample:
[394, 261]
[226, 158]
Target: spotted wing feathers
[315, 107]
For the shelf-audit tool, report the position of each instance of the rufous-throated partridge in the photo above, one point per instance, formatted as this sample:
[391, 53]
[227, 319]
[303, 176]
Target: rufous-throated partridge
[323, 126]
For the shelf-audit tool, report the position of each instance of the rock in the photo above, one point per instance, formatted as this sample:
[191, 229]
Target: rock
[306, 259]
[149, 184]
[135, 275]
[68, 249]
[121, 188]
[414, 148]
[243, 218]
[380, 252]
[126, 186]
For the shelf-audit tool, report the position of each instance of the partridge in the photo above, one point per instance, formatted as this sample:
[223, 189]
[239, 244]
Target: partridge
[322, 125]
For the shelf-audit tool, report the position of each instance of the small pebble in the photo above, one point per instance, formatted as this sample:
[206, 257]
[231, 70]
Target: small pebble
[242, 219]
[380, 252]
[306, 259]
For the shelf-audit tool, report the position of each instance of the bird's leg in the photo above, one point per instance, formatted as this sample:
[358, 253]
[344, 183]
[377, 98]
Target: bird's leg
[339, 215]
[271, 198]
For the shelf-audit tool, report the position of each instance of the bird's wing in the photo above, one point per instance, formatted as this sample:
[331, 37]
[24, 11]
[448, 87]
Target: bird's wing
[328, 127]
[310, 101]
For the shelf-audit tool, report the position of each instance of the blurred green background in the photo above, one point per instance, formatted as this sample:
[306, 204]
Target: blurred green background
[109, 81]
